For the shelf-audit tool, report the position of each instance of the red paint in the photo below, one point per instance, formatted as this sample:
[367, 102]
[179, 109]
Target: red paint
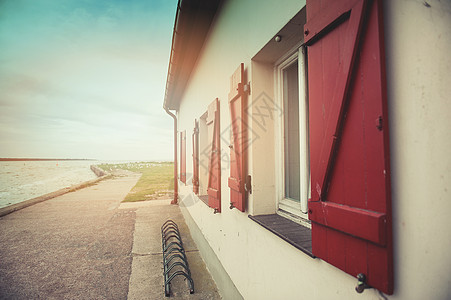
[238, 143]
[196, 157]
[322, 19]
[214, 164]
[183, 156]
[332, 124]
[349, 154]
[361, 223]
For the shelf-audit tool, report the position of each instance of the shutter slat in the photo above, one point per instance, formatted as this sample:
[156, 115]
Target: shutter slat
[213, 193]
[357, 222]
[234, 184]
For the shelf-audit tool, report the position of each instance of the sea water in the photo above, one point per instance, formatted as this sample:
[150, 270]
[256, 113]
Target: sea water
[23, 180]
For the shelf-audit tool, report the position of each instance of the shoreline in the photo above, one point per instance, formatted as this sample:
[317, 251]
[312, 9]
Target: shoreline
[18, 206]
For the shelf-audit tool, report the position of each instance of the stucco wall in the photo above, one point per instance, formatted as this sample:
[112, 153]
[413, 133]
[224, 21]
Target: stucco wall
[418, 43]
[262, 266]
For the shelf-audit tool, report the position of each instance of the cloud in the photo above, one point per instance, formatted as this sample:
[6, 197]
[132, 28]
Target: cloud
[85, 75]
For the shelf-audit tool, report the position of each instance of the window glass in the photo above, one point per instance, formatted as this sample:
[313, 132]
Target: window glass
[291, 131]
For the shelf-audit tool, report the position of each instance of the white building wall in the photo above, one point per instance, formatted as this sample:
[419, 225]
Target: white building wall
[418, 42]
[261, 265]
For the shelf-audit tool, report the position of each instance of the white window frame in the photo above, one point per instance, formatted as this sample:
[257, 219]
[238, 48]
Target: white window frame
[294, 210]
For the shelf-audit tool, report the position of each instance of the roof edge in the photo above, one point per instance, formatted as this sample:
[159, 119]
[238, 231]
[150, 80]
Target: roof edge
[191, 26]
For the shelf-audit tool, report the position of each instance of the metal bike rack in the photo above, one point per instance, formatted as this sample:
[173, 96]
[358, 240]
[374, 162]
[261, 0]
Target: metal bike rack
[174, 257]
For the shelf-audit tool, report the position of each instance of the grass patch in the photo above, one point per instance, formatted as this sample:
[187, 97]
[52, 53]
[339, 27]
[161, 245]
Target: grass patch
[156, 182]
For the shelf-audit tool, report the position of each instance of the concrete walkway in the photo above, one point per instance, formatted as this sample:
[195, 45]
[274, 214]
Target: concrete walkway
[87, 245]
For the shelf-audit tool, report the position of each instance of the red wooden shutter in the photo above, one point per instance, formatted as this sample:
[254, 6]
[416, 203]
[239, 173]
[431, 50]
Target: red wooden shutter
[183, 156]
[196, 157]
[350, 206]
[237, 102]
[214, 163]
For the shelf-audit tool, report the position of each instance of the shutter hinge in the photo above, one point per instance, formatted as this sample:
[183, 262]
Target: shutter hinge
[379, 125]
[248, 184]
[247, 88]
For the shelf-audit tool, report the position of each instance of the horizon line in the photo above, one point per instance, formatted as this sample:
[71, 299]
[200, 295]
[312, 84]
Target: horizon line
[41, 159]
[81, 159]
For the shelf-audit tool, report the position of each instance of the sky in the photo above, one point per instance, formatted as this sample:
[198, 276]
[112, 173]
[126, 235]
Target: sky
[85, 79]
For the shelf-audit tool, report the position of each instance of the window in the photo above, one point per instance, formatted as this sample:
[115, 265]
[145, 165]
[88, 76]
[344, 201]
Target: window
[208, 157]
[336, 145]
[294, 190]
[280, 125]
[183, 156]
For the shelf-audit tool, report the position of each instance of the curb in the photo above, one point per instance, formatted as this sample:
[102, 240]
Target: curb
[18, 206]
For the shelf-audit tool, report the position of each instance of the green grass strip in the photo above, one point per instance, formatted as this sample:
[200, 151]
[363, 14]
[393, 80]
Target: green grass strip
[156, 182]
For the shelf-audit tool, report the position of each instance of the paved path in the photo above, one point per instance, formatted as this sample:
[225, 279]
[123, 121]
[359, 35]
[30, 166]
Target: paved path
[146, 280]
[83, 245]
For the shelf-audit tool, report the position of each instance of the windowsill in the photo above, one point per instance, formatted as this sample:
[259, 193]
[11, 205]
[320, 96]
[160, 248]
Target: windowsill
[297, 218]
[204, 198]
[295, 234]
